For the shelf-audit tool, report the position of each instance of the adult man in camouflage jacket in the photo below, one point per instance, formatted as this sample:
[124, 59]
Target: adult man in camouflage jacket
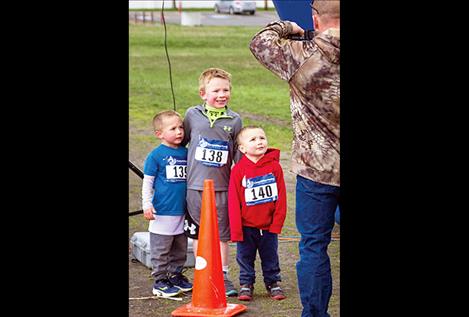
[313, 72]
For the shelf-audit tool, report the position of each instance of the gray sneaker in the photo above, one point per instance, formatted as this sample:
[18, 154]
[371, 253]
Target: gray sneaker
[230, 290]
[275, 291]
[245, 292]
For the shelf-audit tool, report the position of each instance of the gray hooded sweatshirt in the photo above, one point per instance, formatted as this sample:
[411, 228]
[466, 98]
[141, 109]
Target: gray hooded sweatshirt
[212, 149]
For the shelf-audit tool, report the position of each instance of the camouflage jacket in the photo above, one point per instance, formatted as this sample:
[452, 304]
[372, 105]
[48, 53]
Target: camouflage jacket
[312, 69]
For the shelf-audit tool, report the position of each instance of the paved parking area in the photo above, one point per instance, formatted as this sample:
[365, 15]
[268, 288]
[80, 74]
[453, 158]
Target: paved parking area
[261, 18]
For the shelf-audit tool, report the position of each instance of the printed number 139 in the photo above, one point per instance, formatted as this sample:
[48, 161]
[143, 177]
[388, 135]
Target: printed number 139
[180, 171]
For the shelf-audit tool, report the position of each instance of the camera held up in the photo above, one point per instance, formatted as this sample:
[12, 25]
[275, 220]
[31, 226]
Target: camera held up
[307, 36]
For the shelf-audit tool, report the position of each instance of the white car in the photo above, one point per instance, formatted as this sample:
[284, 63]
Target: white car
[237, 6]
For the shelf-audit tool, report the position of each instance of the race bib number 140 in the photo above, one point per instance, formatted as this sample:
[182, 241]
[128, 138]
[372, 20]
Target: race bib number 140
[261, 189]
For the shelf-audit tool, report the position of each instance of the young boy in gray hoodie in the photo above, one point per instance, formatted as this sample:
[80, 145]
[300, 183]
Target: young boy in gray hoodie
[211, 129]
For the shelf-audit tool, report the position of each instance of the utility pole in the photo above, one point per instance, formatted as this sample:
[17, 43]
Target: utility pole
[265, 5]
[174, 4]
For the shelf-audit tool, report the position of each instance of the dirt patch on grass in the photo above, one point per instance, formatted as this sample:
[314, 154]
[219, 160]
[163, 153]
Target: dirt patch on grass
[261, 118]
[140, 284]
[140, 281]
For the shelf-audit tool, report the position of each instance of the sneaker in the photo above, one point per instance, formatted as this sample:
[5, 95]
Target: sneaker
[245, 292]
[229, 287]
[180, 281]
[275, 291]
[164, 288]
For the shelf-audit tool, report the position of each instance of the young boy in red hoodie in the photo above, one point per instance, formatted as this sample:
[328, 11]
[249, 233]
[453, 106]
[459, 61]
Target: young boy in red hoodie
[257, 207]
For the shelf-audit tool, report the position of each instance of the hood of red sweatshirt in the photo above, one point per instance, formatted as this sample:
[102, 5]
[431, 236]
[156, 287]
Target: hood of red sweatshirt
[269, 156]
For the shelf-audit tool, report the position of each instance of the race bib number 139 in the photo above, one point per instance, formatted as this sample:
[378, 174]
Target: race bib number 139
[176, 169]
[176, 172]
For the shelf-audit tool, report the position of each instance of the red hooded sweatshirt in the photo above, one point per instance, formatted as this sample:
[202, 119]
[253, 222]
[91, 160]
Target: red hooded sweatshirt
[257, 195]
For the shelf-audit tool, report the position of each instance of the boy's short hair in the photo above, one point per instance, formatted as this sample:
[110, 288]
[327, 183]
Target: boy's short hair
[159, 118]
[211, 73]
[327, 8]
[244, 129]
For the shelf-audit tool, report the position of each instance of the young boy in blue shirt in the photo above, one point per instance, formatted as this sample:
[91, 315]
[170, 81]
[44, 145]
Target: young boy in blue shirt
[164, 204]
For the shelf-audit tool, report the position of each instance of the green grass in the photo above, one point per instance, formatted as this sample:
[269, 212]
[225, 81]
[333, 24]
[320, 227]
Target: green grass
[191, 50]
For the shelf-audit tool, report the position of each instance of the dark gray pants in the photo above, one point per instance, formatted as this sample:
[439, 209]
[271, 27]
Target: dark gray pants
[194, 203]
[168, 254]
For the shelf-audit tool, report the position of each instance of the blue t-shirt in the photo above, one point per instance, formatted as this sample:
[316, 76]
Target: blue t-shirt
[169, 167]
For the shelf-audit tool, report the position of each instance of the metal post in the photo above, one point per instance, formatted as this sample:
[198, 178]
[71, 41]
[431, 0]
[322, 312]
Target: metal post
[139, 173]
[135, 169]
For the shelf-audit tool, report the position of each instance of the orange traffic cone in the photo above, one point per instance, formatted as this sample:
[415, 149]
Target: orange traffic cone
[208, 293]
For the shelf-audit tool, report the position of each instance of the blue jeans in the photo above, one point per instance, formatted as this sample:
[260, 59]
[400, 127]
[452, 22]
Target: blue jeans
[267, 244]
[337, 215]
[315, 208]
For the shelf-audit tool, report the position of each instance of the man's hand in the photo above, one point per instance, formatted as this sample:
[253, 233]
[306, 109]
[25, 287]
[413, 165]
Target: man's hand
[296, 29]
[148, 214]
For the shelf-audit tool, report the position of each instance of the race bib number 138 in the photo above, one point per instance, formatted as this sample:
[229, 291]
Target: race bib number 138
[212, 152]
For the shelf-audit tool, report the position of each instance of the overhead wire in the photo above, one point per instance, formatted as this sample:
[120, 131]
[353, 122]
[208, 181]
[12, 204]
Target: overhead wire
[167, 55]
[132, 166]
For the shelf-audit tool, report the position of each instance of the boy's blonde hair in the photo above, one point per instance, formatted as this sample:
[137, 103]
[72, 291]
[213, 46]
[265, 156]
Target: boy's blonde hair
[211, 73]
[160, 117]
[244, 129]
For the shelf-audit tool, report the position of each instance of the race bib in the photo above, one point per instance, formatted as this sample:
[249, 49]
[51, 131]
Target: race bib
[260, 189]
[176, 169]
[212, 152]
